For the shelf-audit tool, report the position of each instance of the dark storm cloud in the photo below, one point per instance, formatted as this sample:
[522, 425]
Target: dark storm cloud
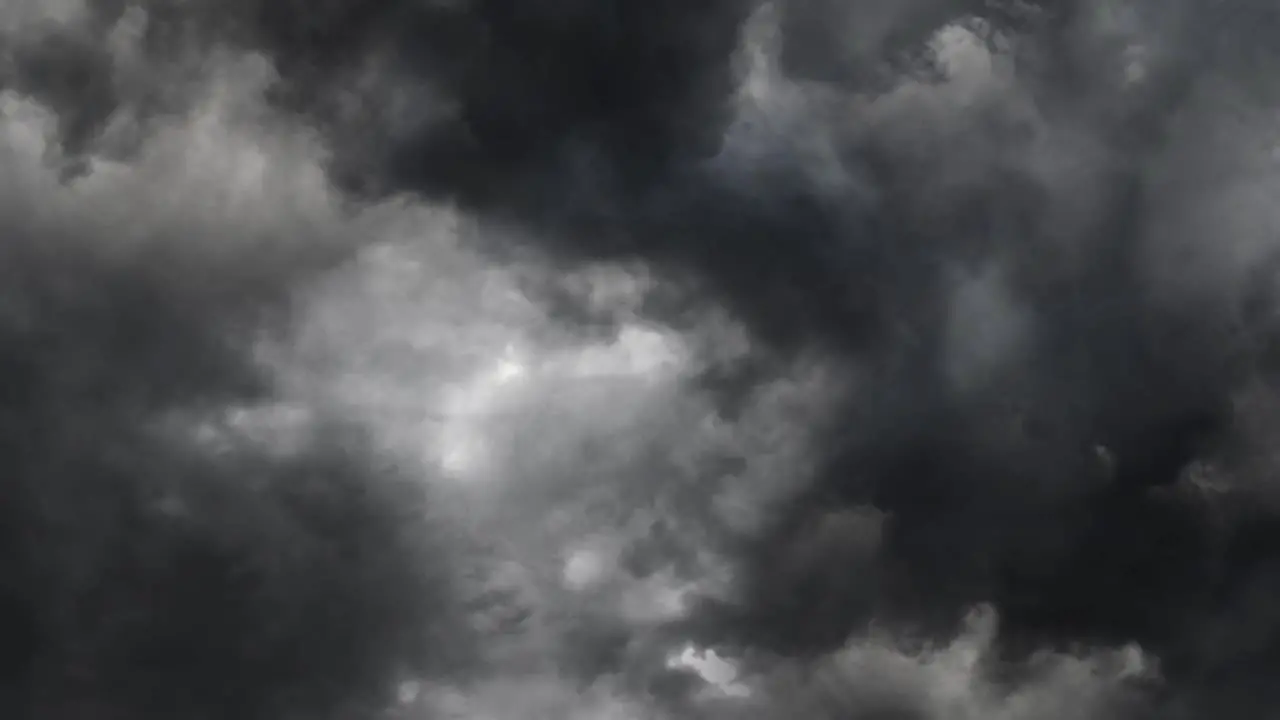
[1043, 489]
[1053, 488]
[999, 246]
[161, 556]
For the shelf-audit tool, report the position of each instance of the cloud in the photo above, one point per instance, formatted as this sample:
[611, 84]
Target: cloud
[880, 677]
[491, 358]
[181, 538]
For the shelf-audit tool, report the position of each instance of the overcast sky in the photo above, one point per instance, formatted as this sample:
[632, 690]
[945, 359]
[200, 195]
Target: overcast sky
[639, 360]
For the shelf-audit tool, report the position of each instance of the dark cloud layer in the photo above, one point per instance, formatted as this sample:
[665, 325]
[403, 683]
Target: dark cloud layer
[1022, 226]
[160, 557]
[148, 579]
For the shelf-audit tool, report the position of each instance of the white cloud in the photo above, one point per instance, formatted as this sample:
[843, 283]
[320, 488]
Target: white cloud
[956, 681]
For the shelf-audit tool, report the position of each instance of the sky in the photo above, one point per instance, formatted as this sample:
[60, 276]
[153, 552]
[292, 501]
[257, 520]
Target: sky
[662, 360]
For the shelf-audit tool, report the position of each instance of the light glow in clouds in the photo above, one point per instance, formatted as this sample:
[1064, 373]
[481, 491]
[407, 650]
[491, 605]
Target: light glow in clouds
[463, 445]
[474, 409]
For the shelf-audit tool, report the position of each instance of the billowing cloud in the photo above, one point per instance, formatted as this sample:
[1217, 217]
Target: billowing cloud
[729, 358]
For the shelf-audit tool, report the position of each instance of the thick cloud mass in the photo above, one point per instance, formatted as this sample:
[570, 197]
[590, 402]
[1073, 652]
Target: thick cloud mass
[679, 358]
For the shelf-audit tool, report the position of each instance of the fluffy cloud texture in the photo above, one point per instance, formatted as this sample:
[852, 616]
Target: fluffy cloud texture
[497, 360]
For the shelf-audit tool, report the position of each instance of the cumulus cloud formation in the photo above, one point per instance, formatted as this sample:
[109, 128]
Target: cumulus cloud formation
[493, 359]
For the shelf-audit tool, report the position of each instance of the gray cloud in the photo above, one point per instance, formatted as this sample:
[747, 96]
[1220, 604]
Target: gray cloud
[602, 334]
[164, 554]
